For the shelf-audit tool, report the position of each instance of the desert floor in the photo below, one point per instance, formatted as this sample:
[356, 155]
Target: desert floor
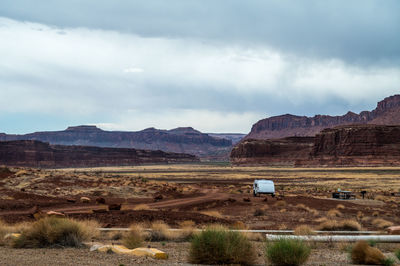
[203, 193]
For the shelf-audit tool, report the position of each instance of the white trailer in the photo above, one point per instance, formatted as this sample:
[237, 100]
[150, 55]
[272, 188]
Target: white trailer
[263, 187]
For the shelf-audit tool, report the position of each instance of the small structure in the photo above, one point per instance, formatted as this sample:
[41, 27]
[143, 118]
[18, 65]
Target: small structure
[343, 195]
[263, 187]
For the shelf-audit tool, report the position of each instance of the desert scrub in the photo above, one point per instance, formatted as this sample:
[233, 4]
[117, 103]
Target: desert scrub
[303, 230]
[346, 225]
[134, 237]
[397, 253]
[53, 231]
[287, 252]
[362, 253]
[217, 245]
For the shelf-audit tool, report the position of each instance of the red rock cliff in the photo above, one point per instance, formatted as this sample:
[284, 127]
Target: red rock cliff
[30, 153]
[387, 112]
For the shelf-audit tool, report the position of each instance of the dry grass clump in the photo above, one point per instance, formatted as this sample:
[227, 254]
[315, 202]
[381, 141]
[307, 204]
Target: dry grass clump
[53, 231]
[188, 229]
[333, 213]
[381, 223]
[239, 225]
[217, 245]
[141, 207]
[135, 237]
[215, 214]
[375, 214]
[340, 207]
[303, 230]
[362, 253]
[287, 252]
[346, 225]
[280, 203]
[160, 231]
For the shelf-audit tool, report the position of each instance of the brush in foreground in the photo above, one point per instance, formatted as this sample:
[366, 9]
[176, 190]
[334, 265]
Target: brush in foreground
[287, 252]
[134, 237]
[53, 231]
[362, 253]
[217, 245]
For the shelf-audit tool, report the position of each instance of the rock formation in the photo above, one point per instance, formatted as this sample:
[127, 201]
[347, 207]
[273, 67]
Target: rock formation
[179, 140]
[282, 152]
[387, 112]
[356, 145]
[351, 145]
[30, 153]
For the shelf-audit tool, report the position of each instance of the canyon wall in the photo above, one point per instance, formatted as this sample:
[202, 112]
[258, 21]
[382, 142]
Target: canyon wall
[30, 153]
[352, 145]
[387, 112]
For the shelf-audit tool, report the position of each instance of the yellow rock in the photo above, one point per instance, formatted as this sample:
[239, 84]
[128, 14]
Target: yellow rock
[12, 236]
[151, 252]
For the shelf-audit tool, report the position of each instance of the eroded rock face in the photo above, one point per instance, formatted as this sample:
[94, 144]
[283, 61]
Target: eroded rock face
[30, 153]
[353, 145]
[283, 152]
[387, 112]
[356, 145]
[179, 140]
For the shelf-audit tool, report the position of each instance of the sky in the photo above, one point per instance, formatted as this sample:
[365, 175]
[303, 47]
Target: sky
[217, 66]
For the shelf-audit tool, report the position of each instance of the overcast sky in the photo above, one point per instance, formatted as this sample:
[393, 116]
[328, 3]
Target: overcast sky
[218, 66]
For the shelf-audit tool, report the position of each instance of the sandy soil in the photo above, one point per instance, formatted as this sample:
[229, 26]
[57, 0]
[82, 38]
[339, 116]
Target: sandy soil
[165, 194]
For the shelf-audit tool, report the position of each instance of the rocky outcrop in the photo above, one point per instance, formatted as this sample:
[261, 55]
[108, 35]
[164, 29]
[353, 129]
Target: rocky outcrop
[356, 145]
[352, 145]
[282, 152]
[30, 153]
[179, 140]
[387, 112]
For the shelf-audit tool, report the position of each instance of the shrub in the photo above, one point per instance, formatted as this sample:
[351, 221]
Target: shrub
[53, 231]
[287, 251]
[362, 253]
[381, 223]
[388, 261]
[134, 238]
[217, 245]
[347, 225]
[340, 207]
[333, 213]
[397, 253]
[303, 230]
[258, 212]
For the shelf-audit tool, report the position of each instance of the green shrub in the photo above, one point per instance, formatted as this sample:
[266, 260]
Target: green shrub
[52, 231]
[388, 261]
[397, 253]
[287, 251]
[217, 245]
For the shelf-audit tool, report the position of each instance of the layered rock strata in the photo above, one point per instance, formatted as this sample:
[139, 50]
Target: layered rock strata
[352, 145]
[30, 153]
[387, 112]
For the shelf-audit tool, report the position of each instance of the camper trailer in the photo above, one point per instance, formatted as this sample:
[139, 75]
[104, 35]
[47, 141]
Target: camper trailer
[263, 187]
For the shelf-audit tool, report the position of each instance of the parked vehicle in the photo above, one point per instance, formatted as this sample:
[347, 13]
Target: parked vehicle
[263, 187]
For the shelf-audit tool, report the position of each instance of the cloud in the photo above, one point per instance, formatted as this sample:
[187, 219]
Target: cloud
[129, 81]
[358, 31]
[133, 70]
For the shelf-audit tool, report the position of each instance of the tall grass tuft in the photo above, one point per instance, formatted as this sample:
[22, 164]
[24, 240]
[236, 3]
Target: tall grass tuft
[134, 238]
[287, 252]
[217, 245]
[53, 231]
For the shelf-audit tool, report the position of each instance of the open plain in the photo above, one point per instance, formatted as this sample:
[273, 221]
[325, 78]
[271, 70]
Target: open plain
[205, 194]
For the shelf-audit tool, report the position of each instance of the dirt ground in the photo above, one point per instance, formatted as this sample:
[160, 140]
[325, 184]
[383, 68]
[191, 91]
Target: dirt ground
[204, 194]
[177, 255]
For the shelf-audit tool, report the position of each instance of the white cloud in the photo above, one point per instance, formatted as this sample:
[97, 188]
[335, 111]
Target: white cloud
[182, 82]
[133, 70]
